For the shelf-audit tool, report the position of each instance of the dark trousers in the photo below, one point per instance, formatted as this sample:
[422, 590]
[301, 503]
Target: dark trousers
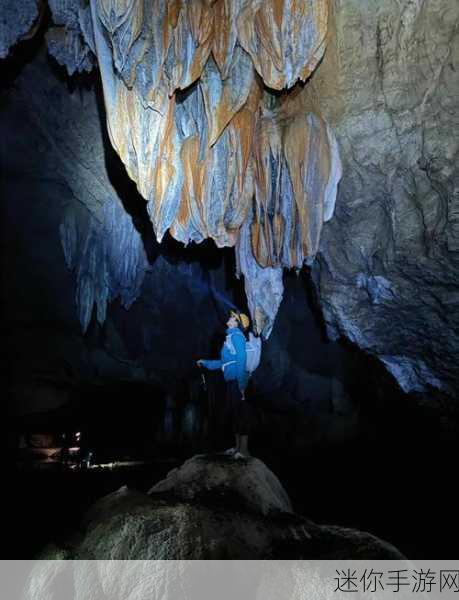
[240, 410]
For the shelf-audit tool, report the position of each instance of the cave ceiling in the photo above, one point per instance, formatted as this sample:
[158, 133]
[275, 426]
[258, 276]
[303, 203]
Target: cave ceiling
[197, 103]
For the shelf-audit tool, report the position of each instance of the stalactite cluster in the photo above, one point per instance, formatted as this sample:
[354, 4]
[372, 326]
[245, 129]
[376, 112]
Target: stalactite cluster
[196, 94]
[108, 258]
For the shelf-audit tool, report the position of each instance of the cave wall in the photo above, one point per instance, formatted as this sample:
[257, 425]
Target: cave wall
[388, 265]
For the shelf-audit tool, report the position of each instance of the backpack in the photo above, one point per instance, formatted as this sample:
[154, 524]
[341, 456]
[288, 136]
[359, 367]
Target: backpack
[253, 350]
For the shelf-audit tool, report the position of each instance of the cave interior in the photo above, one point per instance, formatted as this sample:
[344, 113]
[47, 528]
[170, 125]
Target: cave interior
[108, 302]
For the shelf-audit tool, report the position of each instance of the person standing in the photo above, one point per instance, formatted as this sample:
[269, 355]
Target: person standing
[233, 363]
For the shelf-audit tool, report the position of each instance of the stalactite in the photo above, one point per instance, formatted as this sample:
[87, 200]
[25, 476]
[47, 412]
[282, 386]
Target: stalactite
[190, 110]
[210, 158]
[263, 285]
[108, 258]
[67, 41]
[297, 169]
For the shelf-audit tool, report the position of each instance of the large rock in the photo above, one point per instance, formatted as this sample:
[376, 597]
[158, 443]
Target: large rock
[212, 521]
[388, 268]
[250, 481]
[195, 580]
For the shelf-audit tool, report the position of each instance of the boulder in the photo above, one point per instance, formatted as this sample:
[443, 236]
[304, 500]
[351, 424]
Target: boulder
[193, 580]
[248, 482]
[214, 520]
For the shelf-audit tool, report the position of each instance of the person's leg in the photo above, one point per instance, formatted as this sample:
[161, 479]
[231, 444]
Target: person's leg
[244, 445]
[243, 420]
[232, 394]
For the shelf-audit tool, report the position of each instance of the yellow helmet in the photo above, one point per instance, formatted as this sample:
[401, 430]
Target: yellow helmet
[242, 318]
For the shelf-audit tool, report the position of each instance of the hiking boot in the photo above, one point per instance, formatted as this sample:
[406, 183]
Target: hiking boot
[239, 456]
[230, 452]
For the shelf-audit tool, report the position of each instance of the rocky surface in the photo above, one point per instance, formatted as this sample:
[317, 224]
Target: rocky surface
[388, 265]
[18, 20]
[70, 41]
[256, 487]
[212, 521]
[193, 580]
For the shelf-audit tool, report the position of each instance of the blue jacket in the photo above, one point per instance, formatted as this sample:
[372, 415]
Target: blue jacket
[233, 358]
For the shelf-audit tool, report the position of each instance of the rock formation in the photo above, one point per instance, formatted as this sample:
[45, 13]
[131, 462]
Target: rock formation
[18, 22]
[388, 268]
[209, 147]
[208, 157]
[107, 256]
[256, 487]
[203, 86]
[194, 580]
[204, 510]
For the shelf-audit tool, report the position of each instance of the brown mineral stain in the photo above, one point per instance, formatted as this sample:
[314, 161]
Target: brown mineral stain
[262, 145]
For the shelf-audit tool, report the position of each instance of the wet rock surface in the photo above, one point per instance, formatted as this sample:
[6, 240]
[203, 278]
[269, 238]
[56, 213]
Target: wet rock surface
[388, 266]
[130, 525]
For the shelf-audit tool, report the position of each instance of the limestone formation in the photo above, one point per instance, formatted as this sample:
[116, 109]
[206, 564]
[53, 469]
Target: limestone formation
[99, 241]
[211, 508]
[297, 168]
[71, 40]
[187, 113]
[388, 268]
[183, 87]
[216, 153]
[108, 258]
[18, 20]
[264, 287]
[251, 481]
[286, 39]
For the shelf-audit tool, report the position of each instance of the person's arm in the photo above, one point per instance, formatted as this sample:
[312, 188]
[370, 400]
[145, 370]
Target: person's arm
[211, 365]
